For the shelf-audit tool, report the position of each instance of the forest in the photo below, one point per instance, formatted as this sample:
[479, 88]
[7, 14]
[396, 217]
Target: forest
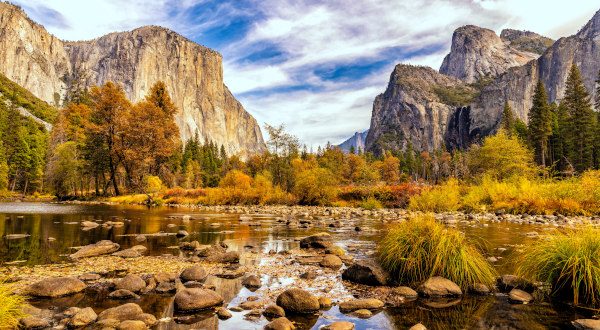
[104, 146]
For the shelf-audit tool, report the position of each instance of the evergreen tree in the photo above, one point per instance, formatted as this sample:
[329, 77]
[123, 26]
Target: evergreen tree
[540, 123]
[508, 119]
[582, 122]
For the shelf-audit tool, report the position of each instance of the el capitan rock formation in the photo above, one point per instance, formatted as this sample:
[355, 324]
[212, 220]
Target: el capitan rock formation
[136, 59]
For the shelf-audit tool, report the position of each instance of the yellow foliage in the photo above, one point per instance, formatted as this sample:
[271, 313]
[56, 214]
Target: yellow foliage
[236, 179]
[153, 184]
[315, 187]
[445, 197]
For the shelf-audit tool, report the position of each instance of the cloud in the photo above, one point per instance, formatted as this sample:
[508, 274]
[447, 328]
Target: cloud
[315, 66]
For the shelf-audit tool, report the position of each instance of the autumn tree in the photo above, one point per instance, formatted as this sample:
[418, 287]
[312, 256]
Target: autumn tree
[390, 169]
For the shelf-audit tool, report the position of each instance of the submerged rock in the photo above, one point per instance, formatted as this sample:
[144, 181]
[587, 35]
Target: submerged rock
[316, 241]
[93, 250]
[418, 326]
[273, 311]
[132, 325]
[366, 272]
[339, 325]
[280, 323]
[586, 324]
[131, 282]
[129, 311]
[195, 273]
[298, 301]
[356, 304]
[195, 299]
[438, 287]
[331, 261]
[34, 322]
[83, 317]
[519, 296]
[56, 287]
[223, 313]
[252, 282]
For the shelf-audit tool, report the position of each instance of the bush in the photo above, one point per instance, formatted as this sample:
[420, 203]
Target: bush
[370, 204]
[236, 179]
[569, 260]
[315, 187]
[388, 196]
[420, 248]
[445, 197]
[11, 307]
[153, 184]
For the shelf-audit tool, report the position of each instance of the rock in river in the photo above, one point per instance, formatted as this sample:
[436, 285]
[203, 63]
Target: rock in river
[366, 272]
[356, 304]
[195, 299]
[273, 311]
[195, 273]
[298, 301]
[339, 325]
[331, 261]
[252, 282]
[586, 324]
[93, 250]
[131, 282]
[519, 296]
[438, 287]
[280, 323]
[33, 322]
[83, 317]
[121, 313]
[56, 287]
[316, 241]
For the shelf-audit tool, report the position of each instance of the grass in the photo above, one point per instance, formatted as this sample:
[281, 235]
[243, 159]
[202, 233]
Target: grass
[420, 248]
[445, 197]
[370, 204]
[11, 307]
[569, 260]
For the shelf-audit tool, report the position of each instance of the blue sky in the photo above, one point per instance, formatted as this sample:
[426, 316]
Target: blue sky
[315, 66]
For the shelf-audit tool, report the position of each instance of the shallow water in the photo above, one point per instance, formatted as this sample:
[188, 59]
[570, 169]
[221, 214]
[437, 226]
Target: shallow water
[43, 221]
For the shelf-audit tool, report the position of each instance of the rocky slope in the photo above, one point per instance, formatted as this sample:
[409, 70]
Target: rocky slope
[455, 117]
[477, 53]
[137, 59]
[413, 109]
[357, 141]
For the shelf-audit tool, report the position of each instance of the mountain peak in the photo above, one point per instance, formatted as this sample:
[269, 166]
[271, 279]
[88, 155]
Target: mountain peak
[592, 29]
[526, 41]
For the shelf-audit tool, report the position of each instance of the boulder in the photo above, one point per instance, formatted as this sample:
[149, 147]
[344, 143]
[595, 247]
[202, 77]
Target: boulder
[366, 272]
[93, 250]
[56, 287]
[182, 233]
[165, 287]
[280, 323]
[480, 289]
[418, 326]
[33, 322]
[309, 275]
[317, 241]
[439, 287]
[325, 302]
[339, 325]
[356, 304]
[194, 273]
[149, 319]
[252, 282]
[519, 296]
[331, 261]
[223, 313]
[195, 299]
[129, 311]
[165, 277]
[230, 257]
[404, 291]
[363, 313]
[508, 282]
[131, 282]
[298, 301]
[123, 294]
[83, 317]
[273, 311]
[129, 253]
[586, 324]
[132, 325]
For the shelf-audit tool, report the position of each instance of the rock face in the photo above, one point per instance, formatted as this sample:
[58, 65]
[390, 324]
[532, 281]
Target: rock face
[415, 109]
[357, 141]
[477, 53]
[411, 110]
[136, 59]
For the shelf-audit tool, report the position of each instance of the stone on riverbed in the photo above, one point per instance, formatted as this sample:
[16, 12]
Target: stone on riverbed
[93, 250]
[273, 311]
[132, 325]
[366, 272]
[230, 257]
[438, 287]
[325, 303]
[123, 294]
[16, 236]
[519, 296]
[252, 282]
[131, 282]
[316, 241]
[83, 317]
[280, 323]
[298, 301]
[339, 325]
[195, 299]
[331, 261]
[363, 313]
[195, 273]
[129, 311]
[356, 304]
[586, 324]
[480, 289]
[33, 322]
[133, 252]
[418, 326]
[223, 313]
[87, 225]
[56, 287]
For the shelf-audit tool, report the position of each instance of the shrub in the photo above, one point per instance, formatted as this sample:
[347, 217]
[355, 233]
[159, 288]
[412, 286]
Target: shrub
[236, 179]
[11, 307]
[420, 248]
[569, 260]
[315, 187]
[445, 197]
[153, 184]
[370, 204]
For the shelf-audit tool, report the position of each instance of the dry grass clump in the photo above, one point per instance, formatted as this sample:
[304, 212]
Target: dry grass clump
[11, 307]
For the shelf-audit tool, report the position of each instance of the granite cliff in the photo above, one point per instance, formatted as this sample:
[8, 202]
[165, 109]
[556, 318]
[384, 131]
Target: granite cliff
[46, 65]
[482, 71]
[356, 141]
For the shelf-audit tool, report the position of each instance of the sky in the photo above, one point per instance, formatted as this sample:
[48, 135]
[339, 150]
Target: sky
[314, 66]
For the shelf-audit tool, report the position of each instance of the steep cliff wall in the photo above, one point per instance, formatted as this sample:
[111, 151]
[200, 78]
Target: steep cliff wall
[136, 59]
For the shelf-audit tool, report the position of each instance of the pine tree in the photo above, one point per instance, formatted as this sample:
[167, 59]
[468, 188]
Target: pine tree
[508, 119]
[540, 123]
[582, 121]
